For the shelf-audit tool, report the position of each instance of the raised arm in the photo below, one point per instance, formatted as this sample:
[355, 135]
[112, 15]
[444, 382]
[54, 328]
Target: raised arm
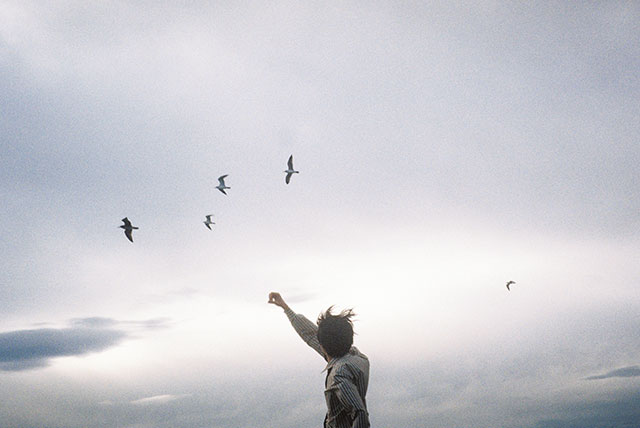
[305, 328]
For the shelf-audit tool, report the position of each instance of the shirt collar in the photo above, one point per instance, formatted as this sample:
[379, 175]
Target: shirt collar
[333, 362]
[330, 364]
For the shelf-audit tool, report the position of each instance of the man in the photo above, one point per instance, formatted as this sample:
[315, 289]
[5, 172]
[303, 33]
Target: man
[347, 369]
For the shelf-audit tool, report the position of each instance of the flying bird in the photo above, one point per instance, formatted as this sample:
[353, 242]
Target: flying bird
[222, 186]
[128, 228]
[290, 171]
[509, 283]
[208, 221]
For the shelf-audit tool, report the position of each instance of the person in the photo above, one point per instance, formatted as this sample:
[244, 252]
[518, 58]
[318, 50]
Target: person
[347, 368]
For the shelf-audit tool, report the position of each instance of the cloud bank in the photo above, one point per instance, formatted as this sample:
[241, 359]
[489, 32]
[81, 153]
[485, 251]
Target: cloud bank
[631, 371]
[35, 348]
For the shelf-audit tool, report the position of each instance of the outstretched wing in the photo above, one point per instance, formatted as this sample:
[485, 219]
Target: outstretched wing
[288, 177]
[221, 179]
[129, 235]
[126, 222]
[290, 163]
[221, 189]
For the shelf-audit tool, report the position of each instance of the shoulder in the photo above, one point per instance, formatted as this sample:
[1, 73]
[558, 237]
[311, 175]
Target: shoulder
[351, 363]
[356, 353]
[356, 357]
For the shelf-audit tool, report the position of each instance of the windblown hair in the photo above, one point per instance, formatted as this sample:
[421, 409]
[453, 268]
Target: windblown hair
[335, 332]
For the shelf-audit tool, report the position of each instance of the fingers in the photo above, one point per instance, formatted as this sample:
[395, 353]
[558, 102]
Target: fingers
[274, 298]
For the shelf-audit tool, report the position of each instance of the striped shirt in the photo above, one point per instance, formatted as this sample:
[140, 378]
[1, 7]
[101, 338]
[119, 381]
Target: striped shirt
[346, 382]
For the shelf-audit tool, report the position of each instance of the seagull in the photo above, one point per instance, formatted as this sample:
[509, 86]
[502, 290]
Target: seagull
[128, 228]
[290, 171]
[509, 283]
[222, 186]
[208, 221]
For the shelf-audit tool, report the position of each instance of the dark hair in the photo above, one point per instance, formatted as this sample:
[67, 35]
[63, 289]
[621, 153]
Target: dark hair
[335, 332]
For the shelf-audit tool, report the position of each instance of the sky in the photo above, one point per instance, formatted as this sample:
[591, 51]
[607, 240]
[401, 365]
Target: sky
[444, 148]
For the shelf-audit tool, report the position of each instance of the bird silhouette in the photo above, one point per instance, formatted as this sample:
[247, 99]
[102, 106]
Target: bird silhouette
[290, 171]
[208, 221]
[128, 228]
[222, 186]
[509, 283]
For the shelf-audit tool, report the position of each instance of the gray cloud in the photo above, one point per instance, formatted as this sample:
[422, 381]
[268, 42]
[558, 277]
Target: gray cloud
[95, 322]
[34, 348]
[300, 296]
[618, 410]
[150, 324]
[101, 322]
[28, 349]
[631, 371]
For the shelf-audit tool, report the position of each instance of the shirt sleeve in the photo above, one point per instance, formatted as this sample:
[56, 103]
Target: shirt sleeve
[307, 330]
[347, 394]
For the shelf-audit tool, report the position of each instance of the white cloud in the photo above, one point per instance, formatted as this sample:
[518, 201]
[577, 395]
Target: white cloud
[158, 399]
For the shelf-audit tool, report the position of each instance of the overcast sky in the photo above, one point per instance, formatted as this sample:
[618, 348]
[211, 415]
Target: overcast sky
[443, 148]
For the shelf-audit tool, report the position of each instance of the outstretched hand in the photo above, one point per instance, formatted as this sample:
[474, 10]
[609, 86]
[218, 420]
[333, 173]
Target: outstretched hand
[276, 299]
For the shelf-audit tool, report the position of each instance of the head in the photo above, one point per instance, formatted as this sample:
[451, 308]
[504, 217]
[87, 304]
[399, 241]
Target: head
[335, 332]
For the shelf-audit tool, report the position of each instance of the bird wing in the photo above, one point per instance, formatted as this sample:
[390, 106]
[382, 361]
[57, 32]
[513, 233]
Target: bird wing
[221, 179]
[290, 162]
[222, 190]
[207, 224]
[128, 233]
[126, 222]
[288, 177]
[508, 287]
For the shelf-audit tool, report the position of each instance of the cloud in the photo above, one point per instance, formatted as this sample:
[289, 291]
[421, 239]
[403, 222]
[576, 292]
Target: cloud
[158, 399]
[301, 296]
[34, 348]
[150, 324]
[631, 371]
[27, 349]
[96, 322]
[617, 410]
